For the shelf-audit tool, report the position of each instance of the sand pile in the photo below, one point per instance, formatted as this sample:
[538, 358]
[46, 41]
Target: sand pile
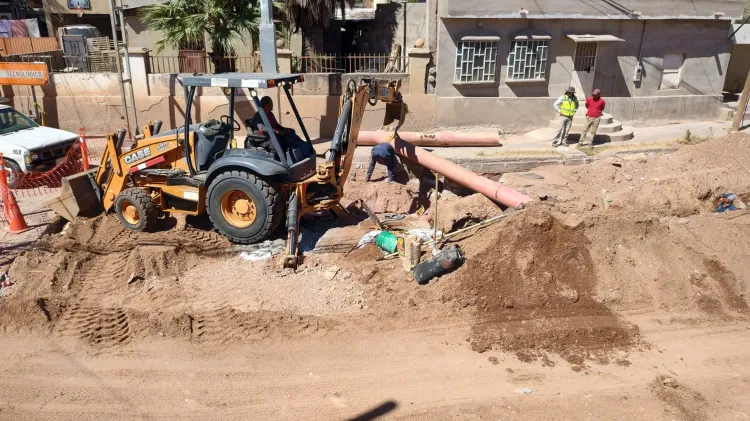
[531, 281]
[636, 234]
[108, 286]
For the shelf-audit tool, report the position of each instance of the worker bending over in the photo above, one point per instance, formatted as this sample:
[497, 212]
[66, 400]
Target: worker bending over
[383, 154]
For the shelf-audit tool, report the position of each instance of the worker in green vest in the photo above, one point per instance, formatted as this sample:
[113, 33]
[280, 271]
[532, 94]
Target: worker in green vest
[566, 106]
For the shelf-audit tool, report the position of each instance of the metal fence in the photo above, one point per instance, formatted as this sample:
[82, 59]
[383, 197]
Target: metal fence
[57, 62]
[352, 63]
[200, 62]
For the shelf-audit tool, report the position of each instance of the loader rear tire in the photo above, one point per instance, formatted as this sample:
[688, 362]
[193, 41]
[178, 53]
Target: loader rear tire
[136, 209]
[243, 207]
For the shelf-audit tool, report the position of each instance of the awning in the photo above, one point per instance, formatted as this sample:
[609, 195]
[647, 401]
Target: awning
[481, 39]
[740, 33]
[530, 37]
[594, 38]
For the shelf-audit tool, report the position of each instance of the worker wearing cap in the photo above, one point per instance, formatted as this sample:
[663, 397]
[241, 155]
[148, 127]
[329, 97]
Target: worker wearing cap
[594, 109]
[566, 106]
[726, 203]
[286, 136]
[384, 154]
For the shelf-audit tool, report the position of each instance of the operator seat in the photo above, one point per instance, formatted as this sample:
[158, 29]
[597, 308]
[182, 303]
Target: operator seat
[211, 138]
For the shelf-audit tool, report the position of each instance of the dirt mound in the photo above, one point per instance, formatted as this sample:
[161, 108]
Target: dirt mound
[681, 184]
[532, 287]
[383, 197]
[456, 212]
[678, 399]
[686, 267]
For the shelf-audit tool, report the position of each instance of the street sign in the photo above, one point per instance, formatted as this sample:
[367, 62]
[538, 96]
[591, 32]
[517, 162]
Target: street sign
[31, 74]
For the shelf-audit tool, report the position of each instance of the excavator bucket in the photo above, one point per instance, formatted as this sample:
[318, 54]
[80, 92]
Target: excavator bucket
[395, 111]
[79, 196]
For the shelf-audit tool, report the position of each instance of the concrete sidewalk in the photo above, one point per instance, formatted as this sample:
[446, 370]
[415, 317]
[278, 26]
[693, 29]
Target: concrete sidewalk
[527, 151]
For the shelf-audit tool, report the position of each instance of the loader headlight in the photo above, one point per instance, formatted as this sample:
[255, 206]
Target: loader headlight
[28, 158]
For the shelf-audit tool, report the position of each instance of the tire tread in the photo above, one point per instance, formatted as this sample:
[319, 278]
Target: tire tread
[271, 195]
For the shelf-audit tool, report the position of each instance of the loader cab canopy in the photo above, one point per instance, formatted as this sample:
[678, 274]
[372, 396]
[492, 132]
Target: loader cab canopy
[298, 164]
[239, 80]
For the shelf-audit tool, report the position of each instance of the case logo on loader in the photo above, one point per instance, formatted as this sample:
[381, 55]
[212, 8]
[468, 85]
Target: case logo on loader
[137, 156]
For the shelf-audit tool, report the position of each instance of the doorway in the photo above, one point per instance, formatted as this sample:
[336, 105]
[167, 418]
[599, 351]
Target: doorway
[584, 67]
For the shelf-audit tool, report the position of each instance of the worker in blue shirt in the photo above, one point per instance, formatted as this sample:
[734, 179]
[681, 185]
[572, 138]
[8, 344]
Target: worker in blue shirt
[383, 154]
[726, 203]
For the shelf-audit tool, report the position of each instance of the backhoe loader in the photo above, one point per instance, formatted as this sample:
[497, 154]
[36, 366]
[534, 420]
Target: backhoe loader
[246, 192]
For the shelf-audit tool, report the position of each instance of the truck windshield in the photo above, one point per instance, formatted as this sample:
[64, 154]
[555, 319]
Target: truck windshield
[12, 121]
[86, 32]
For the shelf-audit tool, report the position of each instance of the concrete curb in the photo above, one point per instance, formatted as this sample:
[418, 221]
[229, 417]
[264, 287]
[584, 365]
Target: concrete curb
[520, 163]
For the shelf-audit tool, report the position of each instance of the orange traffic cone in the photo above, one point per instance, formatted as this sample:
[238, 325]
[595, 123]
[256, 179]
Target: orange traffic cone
[84, 149]
[10, 206]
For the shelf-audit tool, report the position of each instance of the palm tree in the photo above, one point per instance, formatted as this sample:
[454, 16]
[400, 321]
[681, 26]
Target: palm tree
[190, 24]
[309, 13]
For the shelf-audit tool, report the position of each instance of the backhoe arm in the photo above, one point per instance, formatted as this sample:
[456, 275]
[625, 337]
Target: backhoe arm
[324, 190]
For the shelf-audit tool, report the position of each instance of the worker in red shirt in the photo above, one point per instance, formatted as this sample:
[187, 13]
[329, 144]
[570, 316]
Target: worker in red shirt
[594, 109]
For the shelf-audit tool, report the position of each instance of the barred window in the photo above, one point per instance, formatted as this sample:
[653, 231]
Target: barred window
[527, 60]
[476, 61]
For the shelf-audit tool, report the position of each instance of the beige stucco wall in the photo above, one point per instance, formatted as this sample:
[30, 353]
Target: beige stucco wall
[93, 101]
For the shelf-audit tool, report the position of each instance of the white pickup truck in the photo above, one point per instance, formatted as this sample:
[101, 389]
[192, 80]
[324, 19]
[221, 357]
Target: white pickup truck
[27, 146]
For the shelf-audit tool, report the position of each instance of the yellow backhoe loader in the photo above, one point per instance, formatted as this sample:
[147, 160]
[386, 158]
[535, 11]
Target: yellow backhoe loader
[247, 191]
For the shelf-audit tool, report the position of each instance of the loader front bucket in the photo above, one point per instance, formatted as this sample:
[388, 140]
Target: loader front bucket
[79, 196]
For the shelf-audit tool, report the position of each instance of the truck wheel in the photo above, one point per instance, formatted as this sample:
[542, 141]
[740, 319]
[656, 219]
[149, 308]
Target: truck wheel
[136, 209]
[243, 207]
[13, 172]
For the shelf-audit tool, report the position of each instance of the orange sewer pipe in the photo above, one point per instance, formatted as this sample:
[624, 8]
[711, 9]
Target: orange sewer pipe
[469, 179]
[366, 138]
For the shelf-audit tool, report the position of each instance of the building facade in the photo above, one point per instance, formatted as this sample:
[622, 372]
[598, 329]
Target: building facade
[504, 62]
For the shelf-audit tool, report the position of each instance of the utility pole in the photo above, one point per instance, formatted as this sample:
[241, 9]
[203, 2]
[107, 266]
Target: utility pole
[742, 106]
[739, 116]
[267, 37]
[117, 18]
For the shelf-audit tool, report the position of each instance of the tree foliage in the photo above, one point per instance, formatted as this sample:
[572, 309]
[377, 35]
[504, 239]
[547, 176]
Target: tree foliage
[309, 13]
[190, 24]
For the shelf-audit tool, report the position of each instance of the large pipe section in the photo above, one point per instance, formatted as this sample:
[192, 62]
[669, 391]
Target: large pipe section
[367, 138]
[469, 179]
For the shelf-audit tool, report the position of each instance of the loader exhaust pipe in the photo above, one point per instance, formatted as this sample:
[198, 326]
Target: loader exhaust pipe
[120, 138]
[157, 127]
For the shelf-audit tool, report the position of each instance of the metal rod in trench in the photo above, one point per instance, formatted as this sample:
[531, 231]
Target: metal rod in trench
[435, 216]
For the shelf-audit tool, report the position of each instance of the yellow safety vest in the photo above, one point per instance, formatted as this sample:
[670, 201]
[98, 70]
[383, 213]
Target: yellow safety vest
[568, 107]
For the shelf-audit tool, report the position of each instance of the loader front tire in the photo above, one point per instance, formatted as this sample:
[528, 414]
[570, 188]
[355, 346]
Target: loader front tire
[136, 209]
[243, 207]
